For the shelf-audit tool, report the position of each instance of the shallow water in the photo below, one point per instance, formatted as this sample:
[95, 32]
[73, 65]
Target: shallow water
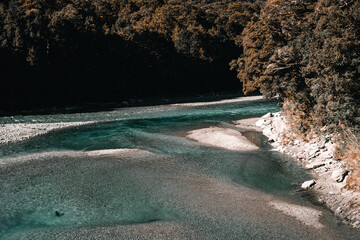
[157, 184]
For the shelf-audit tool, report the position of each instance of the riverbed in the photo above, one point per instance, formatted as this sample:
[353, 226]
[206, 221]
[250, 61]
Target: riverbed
[134, 173]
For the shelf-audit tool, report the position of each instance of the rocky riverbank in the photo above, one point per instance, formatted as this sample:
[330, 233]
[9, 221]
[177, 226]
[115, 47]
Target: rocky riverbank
[316, 156]
[10, 133]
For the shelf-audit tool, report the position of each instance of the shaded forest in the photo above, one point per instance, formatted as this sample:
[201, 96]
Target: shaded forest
[71, 52]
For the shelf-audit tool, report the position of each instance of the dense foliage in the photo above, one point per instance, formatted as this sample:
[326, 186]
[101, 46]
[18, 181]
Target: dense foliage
[71, 51]
[308, 53]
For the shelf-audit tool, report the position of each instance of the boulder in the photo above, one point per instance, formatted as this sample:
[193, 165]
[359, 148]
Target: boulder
[339, 175]
[268, 115]
[267, 131]
[279, 125]
[262, 123]
[308, 184]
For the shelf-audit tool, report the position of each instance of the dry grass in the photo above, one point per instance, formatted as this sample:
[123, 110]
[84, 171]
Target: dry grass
[300, 123]
[350, 154]
[352, 157]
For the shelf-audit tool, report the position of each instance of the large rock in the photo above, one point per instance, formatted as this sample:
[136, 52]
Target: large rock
[268, 115]
[267, 131]
[262, 122]
[279, 125]
[339, 175]
[308, 184]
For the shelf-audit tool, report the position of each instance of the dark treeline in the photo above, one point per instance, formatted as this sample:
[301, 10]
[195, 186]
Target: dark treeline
[69, 52]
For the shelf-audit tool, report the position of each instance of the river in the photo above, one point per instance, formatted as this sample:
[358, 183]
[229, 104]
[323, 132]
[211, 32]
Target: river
[134, 175]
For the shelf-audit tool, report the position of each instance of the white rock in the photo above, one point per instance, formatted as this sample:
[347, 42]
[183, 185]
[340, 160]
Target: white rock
[325, 155]
[339, 175]
[267, 131]
[267, 115]
[260, 123]
[277, 114]
[308, 184]
[314, 165]
[314, 152]
[279, 125]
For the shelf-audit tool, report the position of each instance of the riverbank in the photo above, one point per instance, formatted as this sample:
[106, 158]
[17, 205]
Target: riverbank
[316, 156]
[329, 175]
[11, 133]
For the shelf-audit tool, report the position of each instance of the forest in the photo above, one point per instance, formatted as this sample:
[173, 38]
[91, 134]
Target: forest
[70, 52]
[307, 53]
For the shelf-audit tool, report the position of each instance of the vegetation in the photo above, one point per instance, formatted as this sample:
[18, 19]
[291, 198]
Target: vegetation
[68, 52]
[308, 53]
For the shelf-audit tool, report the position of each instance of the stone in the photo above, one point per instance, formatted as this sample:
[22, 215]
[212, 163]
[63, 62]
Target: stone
[279, 125]
[267, 131]
[339, 175]
[308, 184]
[314, 165]
[277, 114]
[268, 115]
[325, 155]
[260, 122]
[314, 152]
[301, 156]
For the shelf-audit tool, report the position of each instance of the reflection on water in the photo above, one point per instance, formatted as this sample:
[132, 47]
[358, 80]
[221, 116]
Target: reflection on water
[160, 186]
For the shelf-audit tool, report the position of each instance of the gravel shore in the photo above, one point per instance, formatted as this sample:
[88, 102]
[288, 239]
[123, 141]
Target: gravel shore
[10, 133]
[222, 137]
[317, 157]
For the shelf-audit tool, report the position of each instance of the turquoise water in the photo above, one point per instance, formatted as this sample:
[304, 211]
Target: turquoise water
[132, 127]
[166, 187]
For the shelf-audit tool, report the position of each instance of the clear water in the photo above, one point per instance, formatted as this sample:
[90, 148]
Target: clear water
[169, 188]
